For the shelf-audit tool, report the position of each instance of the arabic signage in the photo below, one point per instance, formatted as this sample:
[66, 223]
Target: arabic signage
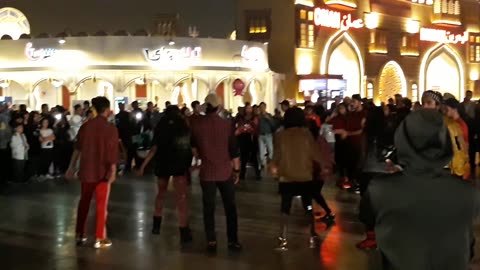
[334, 19]
[442, 36]
[35, 54]
[172, 54]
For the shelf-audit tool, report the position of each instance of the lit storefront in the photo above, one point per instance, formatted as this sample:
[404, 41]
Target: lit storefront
[379, 48]
[127, 68]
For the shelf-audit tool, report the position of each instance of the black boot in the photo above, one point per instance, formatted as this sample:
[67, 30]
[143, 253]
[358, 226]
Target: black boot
[185, 235]
[157, 223]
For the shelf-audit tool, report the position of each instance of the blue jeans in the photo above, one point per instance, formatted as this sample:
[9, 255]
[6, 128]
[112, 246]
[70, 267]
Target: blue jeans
[265, 145]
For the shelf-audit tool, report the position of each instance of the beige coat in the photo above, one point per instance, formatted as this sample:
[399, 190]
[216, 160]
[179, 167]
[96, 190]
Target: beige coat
[294, 154]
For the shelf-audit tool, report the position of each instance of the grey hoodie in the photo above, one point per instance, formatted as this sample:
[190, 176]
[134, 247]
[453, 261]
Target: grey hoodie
[423, 215]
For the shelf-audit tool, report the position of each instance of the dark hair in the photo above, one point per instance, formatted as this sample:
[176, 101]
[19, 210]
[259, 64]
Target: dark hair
[167, 103]
[31, 115]
[247, 104]
[150, 103]
[469, 92]
[262, 103]
[357, 97]
[76, 107]
[294, 117]
[195, 104]
[16, 124]
[44, 105]
[100, 104]
[183, 110]
[23, 107]
[86, 102]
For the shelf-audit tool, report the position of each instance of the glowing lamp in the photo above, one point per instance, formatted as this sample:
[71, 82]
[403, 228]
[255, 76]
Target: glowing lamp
[5, 83]
[138, 116]
[58, 116]
[474, 75]
[413, 26]
[57, 83]
[372, 20]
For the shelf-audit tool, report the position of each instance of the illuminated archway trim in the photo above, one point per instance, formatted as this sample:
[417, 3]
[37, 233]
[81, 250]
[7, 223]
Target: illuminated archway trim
[15, 16]
[423, 68]
[325, 55]
[399, 70]
[98, 78]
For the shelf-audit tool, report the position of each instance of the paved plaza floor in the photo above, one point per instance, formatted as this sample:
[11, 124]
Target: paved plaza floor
[37, 223]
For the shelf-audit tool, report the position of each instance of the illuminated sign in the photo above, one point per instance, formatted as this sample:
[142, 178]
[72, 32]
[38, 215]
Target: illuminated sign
[38, 54]
[252, 55]
[442, 36]
[171, 54]
[334, 19]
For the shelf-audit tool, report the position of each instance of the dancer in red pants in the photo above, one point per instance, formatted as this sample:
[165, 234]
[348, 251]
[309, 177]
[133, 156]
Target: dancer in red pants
[97, 150]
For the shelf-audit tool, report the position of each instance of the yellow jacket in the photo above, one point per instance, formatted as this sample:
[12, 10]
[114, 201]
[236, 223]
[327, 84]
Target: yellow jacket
[460, 164]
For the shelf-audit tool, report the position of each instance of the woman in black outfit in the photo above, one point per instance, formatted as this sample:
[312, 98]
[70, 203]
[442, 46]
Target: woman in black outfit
[172, 152]
[63, 148]
[32, 134]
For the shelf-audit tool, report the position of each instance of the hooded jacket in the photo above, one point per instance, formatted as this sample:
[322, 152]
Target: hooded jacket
[423, 216]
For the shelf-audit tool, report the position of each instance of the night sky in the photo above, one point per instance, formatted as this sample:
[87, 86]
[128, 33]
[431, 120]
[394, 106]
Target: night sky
[214, 18]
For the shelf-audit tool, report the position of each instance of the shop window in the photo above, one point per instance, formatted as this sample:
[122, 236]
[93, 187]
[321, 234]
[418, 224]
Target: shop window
[259, 24]
[414, 92]
[409, 46]
[474, 48]
[306, 28]
[446, 12]
[166, 24]
[369, 90]
[378, 41]
[423, 2]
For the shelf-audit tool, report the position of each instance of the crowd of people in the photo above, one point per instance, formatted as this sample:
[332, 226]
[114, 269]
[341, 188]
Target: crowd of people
[375, 151]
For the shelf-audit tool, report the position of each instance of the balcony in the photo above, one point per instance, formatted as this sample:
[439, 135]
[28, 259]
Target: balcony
[342, 4]
[446, 19]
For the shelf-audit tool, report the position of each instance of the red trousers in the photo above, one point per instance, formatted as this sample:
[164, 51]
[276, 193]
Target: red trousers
[102, 191]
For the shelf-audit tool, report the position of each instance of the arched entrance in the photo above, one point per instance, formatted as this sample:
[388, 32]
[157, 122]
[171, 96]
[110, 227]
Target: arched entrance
[188, 90]
[442, 70]
[342, 56]
[19, 94]
[89, 88]
[391, 82]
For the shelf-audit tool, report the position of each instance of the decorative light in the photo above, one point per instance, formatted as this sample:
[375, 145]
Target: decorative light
[372, 20]
[474, 75]
[5, 83]
[61, 41]
[156, 82]
[56, 83]
[141, 81]
[413, 26]
[171, 42]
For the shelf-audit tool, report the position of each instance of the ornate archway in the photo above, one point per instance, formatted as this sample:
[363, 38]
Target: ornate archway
[442, 69]
[342, 56]
[391, 81]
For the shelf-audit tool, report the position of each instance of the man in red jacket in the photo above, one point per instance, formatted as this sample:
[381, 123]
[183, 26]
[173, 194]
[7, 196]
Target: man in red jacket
[97, 150]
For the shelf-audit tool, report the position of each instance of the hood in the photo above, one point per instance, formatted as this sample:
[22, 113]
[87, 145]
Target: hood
[423, 142]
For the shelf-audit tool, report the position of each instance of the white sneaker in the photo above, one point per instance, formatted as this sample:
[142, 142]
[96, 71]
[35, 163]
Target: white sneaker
[104, 243]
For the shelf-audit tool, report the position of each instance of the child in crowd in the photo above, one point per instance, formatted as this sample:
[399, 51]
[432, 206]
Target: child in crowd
[19, 146]
[47, 137]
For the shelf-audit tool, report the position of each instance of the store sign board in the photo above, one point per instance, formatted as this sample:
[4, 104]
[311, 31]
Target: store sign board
[173, 54]
[252, 55]
[336, 20]
[35, 54]
[442, 36]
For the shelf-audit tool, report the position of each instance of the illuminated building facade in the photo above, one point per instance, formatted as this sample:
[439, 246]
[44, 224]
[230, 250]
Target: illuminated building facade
[67, 70]
[380, 47]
